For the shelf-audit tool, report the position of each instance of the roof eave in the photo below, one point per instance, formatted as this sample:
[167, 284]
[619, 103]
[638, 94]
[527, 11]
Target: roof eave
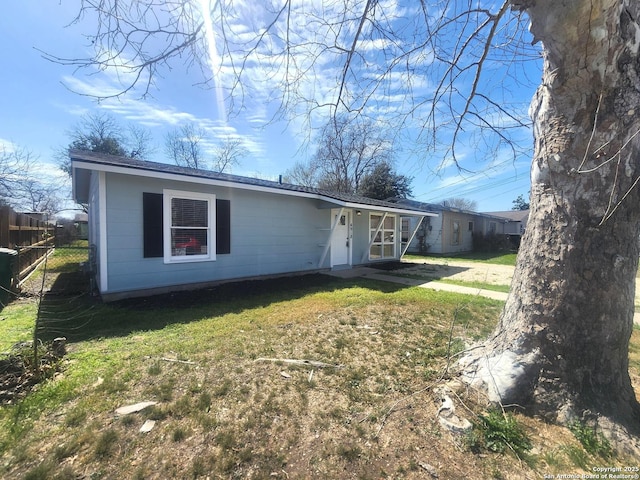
[85, 162]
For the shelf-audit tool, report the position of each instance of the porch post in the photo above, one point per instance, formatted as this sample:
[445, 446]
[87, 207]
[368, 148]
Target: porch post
[366, 252]
[413, 234]
[328, 245]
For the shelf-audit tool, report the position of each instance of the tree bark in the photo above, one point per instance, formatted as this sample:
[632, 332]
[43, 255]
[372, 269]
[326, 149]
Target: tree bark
[562, 342]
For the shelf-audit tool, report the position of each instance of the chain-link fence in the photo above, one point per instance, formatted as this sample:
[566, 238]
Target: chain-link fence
[65, 270]
[65, 285]
[59, 284]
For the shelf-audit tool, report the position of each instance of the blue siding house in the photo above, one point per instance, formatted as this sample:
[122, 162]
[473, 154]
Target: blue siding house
[157, 227]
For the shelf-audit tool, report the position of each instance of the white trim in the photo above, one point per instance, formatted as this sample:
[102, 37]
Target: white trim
[102, 219]
[411, 237]
[349, 224]
[396, 235]
[328, 244]
[167, 196]
[243, 186]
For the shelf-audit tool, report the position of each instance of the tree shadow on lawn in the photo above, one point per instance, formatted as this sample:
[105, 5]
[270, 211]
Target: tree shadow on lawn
[82, 317]
[426, 272]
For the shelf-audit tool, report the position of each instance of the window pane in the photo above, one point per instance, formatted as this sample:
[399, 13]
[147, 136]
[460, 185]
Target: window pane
[383, 242]
[185, 241]
[187, 212]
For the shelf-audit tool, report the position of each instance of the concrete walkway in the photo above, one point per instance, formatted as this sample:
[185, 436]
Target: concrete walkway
[440, 286]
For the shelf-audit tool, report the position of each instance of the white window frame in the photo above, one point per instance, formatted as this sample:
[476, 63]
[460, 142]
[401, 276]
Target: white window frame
[405, 229]
[374, 231]
[168, 196]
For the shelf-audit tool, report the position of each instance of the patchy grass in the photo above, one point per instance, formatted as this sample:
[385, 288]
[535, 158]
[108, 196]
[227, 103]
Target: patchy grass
[16, 324]
[480, 257]
[451, 281]
[497, 431]
[221, 413]
[478, 285]
[591, 440]
[478, 275]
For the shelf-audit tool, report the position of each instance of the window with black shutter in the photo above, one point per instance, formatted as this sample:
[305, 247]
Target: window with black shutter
[152, 224]
[188, 227]
[223, 227]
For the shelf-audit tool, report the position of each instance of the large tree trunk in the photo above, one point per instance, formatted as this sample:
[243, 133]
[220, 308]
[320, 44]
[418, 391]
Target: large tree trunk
[561, 345]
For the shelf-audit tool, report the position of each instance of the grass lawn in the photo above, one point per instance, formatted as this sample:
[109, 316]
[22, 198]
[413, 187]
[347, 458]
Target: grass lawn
[222, 412]
[478, 285]
[480, 257]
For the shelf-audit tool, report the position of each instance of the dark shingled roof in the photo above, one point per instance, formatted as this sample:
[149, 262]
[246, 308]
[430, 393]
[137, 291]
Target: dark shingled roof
[104, 159]
[512, 215]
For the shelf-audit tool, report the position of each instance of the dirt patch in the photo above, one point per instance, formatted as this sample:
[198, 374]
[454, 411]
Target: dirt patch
[433, 269]
[18, 374]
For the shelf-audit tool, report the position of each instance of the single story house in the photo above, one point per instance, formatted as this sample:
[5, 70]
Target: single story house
[81, 224]
[157, 227]
[452, 230]
[516, 221]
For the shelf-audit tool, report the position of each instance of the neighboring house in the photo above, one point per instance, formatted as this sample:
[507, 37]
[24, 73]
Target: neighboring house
[452, 230]
[516, 221]
[156, 227]
[81, 224]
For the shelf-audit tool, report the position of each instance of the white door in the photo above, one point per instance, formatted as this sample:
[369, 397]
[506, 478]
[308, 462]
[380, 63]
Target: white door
[341, 238]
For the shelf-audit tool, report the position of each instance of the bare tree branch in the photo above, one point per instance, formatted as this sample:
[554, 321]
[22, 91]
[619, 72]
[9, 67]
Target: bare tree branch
[184, 146]
[228, 153]
[427, 69]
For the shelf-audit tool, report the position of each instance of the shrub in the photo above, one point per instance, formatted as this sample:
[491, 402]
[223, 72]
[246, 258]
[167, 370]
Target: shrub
[593, 442]
[497, 432]
[492, 242]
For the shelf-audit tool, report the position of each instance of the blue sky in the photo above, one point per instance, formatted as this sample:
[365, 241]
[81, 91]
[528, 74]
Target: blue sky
[38, 109]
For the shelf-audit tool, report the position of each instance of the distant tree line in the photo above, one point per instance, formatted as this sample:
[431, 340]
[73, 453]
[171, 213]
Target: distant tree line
[352, 156]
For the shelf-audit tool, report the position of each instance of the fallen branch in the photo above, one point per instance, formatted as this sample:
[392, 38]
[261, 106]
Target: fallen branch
[299, 363]
[175, 360]
[137, 407]
[398, 402]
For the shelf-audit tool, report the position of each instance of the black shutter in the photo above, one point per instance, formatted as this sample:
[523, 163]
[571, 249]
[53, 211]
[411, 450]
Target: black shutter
[152, 224]
[223, 226]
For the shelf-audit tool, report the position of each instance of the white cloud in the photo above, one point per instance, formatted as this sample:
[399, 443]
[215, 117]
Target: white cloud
[7, 146]
[162, 117]
[308, 79]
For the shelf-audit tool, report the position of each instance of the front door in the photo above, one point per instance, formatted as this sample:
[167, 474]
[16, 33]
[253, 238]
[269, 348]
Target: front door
[341, 238]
